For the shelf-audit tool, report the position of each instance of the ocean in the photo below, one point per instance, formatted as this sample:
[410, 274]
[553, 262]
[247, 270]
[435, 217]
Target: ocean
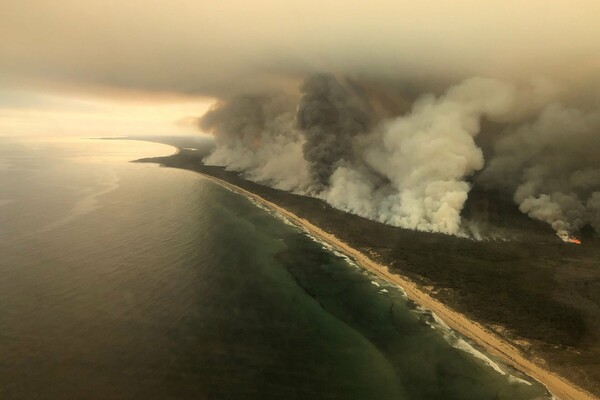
[122, 280]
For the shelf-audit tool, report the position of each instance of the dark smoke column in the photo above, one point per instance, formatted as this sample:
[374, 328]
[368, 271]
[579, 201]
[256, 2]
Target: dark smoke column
[329, 115]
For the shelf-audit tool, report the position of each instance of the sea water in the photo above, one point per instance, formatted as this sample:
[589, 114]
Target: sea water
[130, 281]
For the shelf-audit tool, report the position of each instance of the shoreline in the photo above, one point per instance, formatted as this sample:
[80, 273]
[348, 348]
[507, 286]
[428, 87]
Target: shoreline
[558, 386]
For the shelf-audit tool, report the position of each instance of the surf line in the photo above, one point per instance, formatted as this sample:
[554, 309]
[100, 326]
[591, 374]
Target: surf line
[558, 386]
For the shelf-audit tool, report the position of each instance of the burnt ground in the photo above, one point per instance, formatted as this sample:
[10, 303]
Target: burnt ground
[539, 293]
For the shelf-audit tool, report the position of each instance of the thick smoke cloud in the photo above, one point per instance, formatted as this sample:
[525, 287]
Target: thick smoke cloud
[257, 135]
[423, 158]
[329, 116]
[552, 167]
[414, 170]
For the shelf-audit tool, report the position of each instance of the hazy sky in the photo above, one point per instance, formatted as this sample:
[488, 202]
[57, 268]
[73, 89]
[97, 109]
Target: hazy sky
[140, 66]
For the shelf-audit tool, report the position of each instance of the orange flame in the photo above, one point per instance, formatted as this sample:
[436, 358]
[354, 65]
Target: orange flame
[573, 239]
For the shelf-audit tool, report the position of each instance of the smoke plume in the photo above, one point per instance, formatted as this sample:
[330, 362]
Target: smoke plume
[257, 136]
[414, 170]
[422, 159]
[329, 116]
[551, 166]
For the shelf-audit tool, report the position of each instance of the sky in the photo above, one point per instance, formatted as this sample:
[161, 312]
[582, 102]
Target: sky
[34, 113]
[151, 67]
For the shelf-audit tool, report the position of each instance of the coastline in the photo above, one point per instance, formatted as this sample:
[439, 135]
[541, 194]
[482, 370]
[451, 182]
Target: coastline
[559, 387]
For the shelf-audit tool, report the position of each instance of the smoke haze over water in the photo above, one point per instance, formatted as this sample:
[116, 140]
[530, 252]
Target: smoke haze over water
[380, 109]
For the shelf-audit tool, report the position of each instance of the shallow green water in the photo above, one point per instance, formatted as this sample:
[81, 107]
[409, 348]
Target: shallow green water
[122, 280]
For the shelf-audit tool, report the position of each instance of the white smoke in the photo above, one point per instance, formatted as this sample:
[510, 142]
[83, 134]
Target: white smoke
[257, 136]
[424, 157]
[552, 167]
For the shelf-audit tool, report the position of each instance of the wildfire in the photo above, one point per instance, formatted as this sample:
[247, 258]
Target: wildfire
[567, 238]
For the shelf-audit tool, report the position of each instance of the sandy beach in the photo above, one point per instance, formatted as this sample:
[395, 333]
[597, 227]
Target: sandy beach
[492, 343]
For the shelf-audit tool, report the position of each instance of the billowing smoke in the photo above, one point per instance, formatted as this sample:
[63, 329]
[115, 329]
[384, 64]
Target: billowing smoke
[329, 115]
[551, 166]
[257, 136]
[422, 159]
[414, 170]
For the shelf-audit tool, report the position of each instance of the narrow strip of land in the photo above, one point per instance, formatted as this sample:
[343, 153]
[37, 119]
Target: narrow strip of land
[558, 386]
